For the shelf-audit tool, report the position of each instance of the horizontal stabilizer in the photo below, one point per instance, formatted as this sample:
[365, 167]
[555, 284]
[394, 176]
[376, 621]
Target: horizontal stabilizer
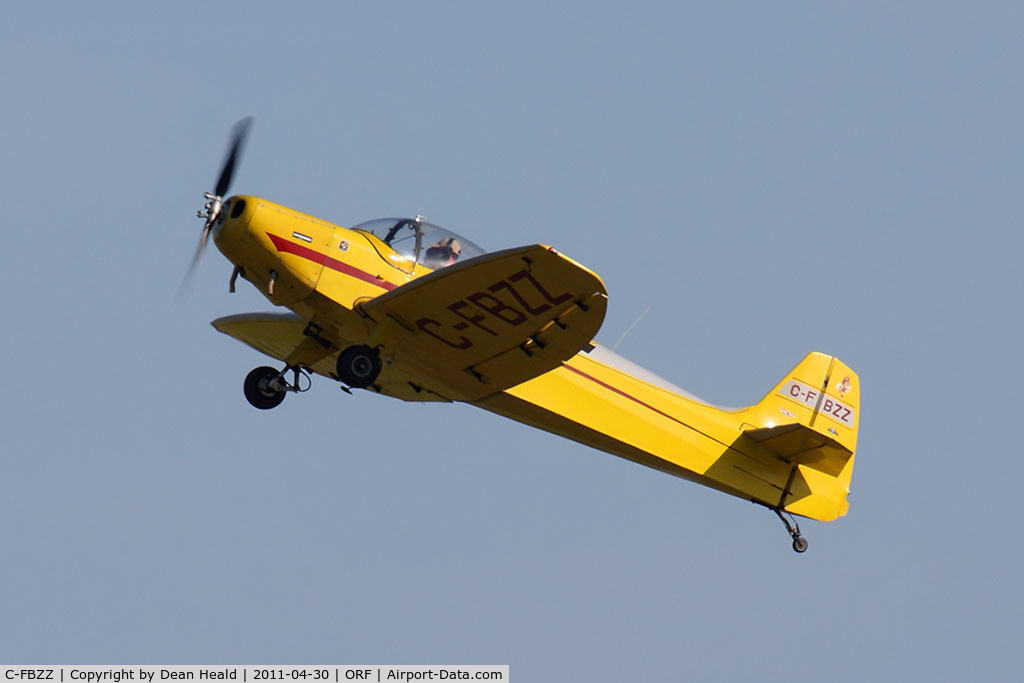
[803, 445]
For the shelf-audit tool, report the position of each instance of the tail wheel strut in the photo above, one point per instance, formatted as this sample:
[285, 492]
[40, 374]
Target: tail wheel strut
[799, 542]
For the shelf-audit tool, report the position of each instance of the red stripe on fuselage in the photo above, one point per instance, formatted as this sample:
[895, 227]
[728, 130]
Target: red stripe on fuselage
[288, 247]
[634, 399]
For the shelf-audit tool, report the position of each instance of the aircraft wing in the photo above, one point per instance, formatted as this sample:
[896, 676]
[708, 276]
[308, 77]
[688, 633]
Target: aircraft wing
[492, 322]
[277, 335]
[280, 336]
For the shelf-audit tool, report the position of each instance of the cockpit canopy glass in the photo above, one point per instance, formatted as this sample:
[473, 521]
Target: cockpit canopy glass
[422, 242]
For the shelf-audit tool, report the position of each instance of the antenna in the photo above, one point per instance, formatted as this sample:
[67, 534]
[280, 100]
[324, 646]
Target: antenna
[630, 328]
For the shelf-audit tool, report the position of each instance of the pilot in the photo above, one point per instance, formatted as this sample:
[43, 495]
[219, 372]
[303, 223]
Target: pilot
[442, 253]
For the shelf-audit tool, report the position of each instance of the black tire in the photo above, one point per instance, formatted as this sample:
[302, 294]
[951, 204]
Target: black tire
[358, 366]
[258, 393]
[800, 544]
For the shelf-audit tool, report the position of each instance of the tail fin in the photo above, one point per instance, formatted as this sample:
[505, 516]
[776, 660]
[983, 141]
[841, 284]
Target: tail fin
[821, 393]
[810, 418]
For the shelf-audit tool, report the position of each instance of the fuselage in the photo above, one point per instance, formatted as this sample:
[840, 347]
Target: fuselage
[324, 272]
[320, 270]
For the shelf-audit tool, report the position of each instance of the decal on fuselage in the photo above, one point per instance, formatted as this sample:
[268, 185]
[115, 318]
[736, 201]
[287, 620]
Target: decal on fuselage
[809, 396]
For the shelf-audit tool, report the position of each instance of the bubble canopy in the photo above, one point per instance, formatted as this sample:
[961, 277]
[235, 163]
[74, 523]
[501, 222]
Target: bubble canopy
[421, 242]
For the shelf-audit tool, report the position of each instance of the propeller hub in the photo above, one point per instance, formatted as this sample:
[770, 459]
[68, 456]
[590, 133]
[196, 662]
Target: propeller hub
[212, 209]
[215, 200]
[227, 228]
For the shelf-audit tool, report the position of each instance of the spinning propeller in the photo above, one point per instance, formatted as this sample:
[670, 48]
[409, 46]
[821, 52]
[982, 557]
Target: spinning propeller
[215, 200]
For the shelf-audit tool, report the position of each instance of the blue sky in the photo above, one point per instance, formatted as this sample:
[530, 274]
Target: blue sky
[769, 180]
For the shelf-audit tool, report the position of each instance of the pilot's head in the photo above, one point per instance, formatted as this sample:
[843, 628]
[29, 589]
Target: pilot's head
[444, 252]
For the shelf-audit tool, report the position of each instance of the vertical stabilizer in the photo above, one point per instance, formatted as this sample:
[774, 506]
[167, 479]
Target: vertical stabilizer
[810, 419]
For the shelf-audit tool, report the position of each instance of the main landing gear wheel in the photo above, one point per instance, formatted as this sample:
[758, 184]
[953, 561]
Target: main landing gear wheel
[261, 388]
[800, 544]
[358, 366]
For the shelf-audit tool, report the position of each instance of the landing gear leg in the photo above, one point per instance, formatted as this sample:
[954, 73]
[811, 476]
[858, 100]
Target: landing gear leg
[799, 542]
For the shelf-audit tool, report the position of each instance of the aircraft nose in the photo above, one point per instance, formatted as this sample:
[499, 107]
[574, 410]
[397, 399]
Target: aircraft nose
[230, 224]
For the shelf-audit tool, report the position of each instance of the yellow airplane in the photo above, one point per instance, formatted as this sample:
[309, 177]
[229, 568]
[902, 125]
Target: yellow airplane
[408, 309]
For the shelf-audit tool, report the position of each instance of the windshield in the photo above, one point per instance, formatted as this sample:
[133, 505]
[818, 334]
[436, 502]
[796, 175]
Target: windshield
[421, 242]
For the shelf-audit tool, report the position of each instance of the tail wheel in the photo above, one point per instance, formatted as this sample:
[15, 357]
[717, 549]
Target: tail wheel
[259, 388]
[358, 366]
